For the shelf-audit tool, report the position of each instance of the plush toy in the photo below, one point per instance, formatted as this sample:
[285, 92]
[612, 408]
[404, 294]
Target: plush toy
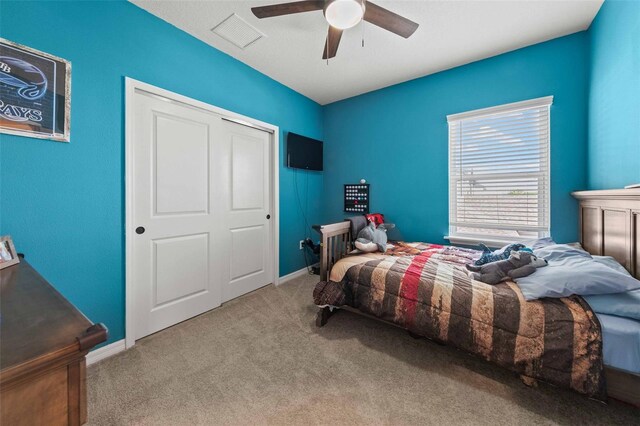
[489, 256]
[372, 239]
[519, 264]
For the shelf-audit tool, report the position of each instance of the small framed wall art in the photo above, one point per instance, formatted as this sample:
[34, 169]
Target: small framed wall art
[35, 93]
[8, 254]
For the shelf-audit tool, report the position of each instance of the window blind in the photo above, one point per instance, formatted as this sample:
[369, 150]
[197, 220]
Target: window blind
[499, 171]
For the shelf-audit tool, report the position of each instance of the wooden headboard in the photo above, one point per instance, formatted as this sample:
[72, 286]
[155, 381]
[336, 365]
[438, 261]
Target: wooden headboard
[609, 223]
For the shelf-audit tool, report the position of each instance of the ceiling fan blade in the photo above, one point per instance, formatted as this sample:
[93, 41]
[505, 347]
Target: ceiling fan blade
[287, 8]
[388, 20]
[331, 45]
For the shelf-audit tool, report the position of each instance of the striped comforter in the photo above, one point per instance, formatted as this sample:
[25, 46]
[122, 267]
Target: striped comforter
[430, 294]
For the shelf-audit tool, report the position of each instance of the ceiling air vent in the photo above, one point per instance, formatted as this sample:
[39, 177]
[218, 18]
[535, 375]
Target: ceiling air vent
[236, 30]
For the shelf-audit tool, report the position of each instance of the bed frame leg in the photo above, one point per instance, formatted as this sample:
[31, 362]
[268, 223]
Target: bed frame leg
[323, 316]
[529, 381]
[414, 335]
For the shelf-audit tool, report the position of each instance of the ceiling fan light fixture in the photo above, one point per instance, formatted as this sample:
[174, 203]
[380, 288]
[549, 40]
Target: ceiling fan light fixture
[343, 14]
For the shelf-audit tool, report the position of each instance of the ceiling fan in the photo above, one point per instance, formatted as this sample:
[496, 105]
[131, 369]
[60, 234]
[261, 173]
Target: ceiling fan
[341, 15]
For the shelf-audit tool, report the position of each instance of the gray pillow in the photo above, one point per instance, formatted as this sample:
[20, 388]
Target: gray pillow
[572, 271]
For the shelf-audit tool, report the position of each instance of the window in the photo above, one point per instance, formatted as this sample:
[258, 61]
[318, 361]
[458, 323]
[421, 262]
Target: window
[499, 173]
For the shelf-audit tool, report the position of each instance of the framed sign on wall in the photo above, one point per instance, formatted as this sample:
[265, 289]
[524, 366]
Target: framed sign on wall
[35, 93]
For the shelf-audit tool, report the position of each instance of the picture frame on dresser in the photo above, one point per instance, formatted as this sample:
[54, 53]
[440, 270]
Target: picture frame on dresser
[8, 254]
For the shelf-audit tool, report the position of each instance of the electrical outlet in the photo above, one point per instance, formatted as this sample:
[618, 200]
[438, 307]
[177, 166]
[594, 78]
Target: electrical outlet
[301, 244]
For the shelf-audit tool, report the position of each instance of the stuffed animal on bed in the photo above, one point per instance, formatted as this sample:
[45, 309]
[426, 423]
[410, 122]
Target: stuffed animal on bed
[519, 264]
[372, 239]
[489, 256]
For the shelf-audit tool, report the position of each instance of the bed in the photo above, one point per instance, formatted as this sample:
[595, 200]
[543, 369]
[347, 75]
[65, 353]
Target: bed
[424, 288]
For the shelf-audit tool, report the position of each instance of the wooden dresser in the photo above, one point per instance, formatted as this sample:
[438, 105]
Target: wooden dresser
[43, 343]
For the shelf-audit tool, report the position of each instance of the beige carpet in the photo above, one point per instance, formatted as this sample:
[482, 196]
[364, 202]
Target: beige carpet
[261, 360]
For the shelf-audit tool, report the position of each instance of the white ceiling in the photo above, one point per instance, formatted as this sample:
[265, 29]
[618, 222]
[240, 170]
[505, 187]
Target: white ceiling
[451, 33]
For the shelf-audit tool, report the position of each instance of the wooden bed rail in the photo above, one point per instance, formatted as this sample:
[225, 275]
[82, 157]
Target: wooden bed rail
[335, 244]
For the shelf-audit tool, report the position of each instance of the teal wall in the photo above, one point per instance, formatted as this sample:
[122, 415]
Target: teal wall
[64, 203]
[396, 137]
[614, 98]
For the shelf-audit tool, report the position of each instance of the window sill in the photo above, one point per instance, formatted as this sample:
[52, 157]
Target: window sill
[474, 241]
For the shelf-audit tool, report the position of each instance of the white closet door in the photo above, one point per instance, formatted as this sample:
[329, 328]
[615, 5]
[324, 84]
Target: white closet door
[243, 168]
[176, 249]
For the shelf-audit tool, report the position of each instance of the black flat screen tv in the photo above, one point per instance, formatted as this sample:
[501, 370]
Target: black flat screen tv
[303, 152]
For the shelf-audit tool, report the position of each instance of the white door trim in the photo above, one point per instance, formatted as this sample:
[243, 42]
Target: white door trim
[131, 86]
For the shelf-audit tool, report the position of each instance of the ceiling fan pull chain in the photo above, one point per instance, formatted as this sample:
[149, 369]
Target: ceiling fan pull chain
[362, 32]
[326, 46]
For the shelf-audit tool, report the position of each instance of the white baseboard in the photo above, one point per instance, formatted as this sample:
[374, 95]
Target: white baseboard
[105, 352]
[293, 275]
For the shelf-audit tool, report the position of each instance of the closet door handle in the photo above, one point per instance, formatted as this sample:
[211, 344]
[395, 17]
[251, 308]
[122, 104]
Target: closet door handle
[268, 216]
[140, 230]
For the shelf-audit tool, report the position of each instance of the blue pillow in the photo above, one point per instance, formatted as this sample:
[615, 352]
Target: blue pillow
[539, 243]
[611, 263]
[572, 271]
[619, 304]
[558, 252]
